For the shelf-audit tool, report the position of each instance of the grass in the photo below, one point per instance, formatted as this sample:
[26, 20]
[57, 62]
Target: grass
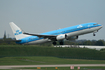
[41, 60]
[35, 55]
[31, 50]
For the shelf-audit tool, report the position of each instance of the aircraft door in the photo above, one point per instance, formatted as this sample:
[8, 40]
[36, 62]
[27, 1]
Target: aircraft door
[89, 26]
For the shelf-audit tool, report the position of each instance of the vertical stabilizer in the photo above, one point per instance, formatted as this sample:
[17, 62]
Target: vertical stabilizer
[17, 31]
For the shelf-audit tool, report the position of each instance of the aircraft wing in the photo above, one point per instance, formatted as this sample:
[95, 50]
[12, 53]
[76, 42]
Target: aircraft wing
[44, 36]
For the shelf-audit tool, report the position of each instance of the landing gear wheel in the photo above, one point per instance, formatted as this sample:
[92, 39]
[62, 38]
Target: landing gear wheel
[54, 43]
[94, 34]
[61, 43]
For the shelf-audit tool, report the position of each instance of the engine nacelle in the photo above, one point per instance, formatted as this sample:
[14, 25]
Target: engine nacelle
[72, 38]
[60, 37]
[64, 36]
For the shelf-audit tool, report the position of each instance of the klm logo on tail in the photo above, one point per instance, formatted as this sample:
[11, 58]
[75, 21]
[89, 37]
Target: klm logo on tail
[18, 32]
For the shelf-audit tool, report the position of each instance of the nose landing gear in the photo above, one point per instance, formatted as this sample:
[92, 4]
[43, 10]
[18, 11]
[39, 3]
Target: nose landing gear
[94, 34]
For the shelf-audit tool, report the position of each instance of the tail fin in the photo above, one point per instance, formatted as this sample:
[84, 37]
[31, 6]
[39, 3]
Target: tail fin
[17, 31]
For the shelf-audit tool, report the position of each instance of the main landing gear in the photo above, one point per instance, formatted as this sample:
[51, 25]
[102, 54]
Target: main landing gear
[54, 43]
[61, 43]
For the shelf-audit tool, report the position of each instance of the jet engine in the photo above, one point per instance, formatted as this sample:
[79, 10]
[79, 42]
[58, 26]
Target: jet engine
[61, 37]
[72, 38]
[64, 36]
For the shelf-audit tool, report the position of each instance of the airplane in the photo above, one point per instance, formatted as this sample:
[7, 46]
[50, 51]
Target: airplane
[69, 33]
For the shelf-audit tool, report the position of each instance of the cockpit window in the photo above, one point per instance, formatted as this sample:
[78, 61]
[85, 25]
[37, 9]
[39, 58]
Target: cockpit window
[96, 24]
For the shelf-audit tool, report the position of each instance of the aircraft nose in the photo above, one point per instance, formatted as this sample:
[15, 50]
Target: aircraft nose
[100, 26]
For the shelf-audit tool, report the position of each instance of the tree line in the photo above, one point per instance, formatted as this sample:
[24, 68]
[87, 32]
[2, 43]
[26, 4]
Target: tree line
[86, 42]
[7, 41]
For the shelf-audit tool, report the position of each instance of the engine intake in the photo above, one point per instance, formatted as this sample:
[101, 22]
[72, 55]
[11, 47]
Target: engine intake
[60, 37]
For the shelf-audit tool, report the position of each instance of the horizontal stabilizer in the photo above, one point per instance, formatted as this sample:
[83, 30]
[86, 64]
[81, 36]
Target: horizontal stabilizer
[17, 40]
[12, 40]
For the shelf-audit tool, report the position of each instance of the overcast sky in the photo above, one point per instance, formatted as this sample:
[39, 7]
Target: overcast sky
[39, 16]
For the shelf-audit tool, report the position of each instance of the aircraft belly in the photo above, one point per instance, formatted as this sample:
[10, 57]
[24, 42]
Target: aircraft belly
[81, 32]
[39, 41]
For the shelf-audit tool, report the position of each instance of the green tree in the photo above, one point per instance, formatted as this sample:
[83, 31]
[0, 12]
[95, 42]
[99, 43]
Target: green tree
[100, 43]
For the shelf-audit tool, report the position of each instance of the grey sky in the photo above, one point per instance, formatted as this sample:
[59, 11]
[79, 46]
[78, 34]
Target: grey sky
[38, 16]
